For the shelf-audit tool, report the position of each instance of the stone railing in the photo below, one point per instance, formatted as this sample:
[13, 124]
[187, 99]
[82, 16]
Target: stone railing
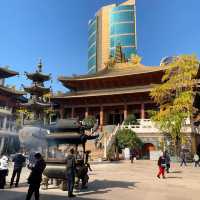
[147, 126]
[5, 111]
[108, 142]
[143, 126]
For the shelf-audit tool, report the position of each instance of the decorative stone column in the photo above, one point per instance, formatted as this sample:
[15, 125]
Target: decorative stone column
[142, 116]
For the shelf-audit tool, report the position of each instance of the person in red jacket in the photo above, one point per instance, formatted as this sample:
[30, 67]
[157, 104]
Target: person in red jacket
[161, 165]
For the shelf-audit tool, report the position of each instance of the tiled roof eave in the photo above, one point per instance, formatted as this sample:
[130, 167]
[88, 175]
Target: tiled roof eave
[38, 75]
[109, 74]
[11, 91]
[117, 91]
[5, 73]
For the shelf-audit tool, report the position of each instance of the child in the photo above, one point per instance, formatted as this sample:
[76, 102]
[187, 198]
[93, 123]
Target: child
[161, 165]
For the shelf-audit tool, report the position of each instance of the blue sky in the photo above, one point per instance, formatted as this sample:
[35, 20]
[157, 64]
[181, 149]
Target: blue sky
[56, 31]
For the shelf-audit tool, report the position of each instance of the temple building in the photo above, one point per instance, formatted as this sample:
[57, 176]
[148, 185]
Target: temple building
[111, 94]
[9, 101]
[120, 89]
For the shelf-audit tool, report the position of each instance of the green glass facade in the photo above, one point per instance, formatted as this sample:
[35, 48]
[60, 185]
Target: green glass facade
[122, 29]
[92, 46]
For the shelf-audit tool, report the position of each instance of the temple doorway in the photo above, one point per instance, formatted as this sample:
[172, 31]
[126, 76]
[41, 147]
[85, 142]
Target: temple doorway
[115, 118]
[147, 147]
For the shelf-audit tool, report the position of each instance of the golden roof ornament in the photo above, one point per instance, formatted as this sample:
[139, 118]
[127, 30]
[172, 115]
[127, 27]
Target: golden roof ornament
[135, 59]
[110, 63]
[119, 56]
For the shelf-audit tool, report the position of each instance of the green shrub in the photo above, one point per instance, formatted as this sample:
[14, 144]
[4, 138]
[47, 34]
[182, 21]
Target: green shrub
[131, 119]
[128, 138]
[89, 121]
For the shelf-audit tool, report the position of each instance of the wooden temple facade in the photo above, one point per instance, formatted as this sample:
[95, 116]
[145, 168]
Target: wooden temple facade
[9, 100]
[111, 94]
[120, 89]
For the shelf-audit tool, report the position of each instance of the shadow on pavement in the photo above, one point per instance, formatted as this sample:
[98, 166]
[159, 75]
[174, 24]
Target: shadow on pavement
[94, 187]
[176, 172]
[174, 177]
[104, 186]
[87, 192]
[15, 195]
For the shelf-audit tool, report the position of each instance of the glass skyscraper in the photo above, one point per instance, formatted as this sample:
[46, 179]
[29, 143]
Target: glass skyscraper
[92, 46]
[113, 25]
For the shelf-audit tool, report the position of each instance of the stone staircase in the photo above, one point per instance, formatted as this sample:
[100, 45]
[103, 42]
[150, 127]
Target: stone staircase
[109, 141]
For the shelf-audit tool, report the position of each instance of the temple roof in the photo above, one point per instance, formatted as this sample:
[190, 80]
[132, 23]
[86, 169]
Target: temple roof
[105, 92]
[36, 89]
[38, 76]
[10, 91]
[35, 104]
[5, 72]
[120, 69]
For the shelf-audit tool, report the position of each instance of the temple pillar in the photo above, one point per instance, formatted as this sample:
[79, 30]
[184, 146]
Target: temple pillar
[86, 112]
[101, 116]
[61, 111]
[72, 113]
[125, 112]
[142, 112]
[5, 122]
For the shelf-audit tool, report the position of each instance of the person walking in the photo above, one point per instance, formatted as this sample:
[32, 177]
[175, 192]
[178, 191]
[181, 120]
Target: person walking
[35, 177]
[87, 155]
[19, 161]
[183, 158]
[167, 161]
[31, 160]
[161, 165]
[3, 171]
[70, 172]
[196, 160]
[132, 155]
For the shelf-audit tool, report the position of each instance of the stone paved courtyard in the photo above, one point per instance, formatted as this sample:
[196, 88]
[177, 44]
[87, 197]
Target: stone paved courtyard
[125, 181]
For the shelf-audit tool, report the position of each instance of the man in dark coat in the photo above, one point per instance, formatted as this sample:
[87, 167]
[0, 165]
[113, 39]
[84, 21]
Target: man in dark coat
[167, 160]
[35, 177]
[183, 158]
[19, 161]
[132, 154]
[70, 172]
